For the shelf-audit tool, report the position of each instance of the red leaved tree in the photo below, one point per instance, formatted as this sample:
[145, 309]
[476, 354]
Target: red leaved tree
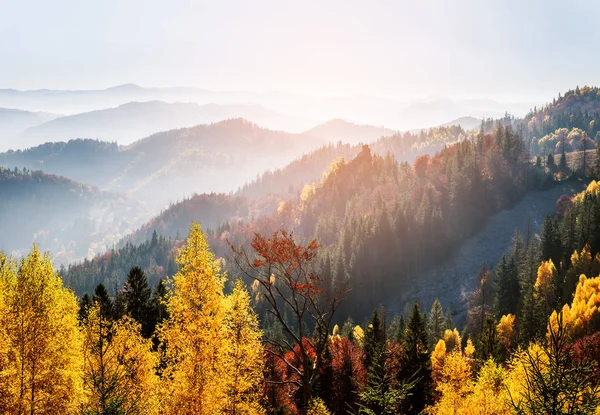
[299, 299]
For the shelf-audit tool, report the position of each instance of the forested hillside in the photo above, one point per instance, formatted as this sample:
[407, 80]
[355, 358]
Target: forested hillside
[167, 166]
[312, 273]
[370, 201]
[60, 215]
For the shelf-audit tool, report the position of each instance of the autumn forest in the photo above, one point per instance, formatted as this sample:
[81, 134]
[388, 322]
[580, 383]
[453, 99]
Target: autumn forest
[299, 208]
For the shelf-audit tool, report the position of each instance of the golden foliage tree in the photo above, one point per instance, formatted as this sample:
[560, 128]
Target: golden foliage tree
[452, 340]
[438, 356]
[40, 348]
[244, 358]
[194, 335]
[583, 315]
[545, 288]
[507, 335]
[119, 366]
[454, 384]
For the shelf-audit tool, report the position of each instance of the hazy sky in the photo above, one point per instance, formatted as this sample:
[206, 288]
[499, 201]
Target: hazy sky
[503, 49]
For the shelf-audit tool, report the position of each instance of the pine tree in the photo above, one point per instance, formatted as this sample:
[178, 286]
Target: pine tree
[194, 333]
[435, 323]
[416, 363]
[40, 345]
[137, 299]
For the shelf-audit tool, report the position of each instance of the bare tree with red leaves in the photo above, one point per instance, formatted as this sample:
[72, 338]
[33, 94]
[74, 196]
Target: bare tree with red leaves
[284, 272]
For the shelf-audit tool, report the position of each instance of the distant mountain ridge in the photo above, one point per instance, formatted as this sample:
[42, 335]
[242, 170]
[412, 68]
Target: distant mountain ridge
[14, 121]
[132, 121]
[217, 157]
[348, 132]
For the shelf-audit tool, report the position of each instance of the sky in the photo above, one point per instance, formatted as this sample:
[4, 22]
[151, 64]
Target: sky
[509, 50]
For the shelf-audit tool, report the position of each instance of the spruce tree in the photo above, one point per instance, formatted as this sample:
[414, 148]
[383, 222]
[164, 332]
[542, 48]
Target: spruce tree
[158, 304]
[84, 304]
[137, 299]
[416, 362]
[373, 340]
[435, 323]
[106, 305]
[550, 243]
[489, 345]
[507, 287]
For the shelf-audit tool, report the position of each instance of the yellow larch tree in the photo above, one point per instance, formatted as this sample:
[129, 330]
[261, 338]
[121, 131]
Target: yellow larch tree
[244, 358]
[194, 335]
[40, 362]
[454, 385]
[119, 366]
[438, 356]
[545, 285]
[452, 340]
[489, 396]
[507, 335]
[583, 315]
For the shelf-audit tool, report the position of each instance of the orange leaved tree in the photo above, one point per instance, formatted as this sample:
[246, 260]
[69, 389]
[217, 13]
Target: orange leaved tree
[300, 300]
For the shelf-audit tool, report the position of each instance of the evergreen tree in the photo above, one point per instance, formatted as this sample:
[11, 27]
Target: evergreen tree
[158, 304]
[488, 344]
[435, 323]
[383, 394]
[507, 286]
[448, 321]
[106, 305]
[373, 339]
[550, 243]
[396, 329]
[550, 161]
[137, 299]
[563, 160]
[416, 362]
[531, 323]
[84, 304]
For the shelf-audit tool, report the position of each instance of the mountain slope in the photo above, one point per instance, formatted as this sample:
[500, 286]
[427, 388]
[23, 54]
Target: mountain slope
[13, 122]
[453, 278]
[66, 217]
[468, 123]
[347, 132]
[167, 166]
